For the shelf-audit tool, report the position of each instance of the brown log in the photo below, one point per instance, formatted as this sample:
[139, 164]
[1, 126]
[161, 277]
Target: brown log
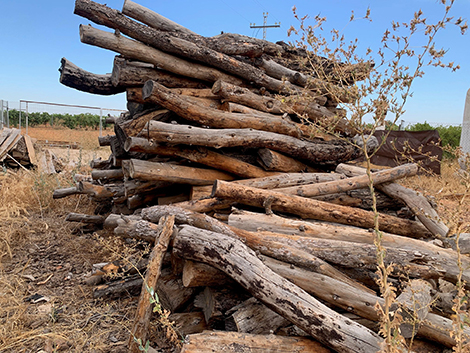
[105, 140]
[288, 300]
[434, 327]
[282, 250]
[139, 51]
[171, 292]
[74, 77]
[189, 323]
[100, 192]
[132, 227]
[134, 126]
[117, 289]
[144, 310]
[9, 143]
[187, 109]
[253, 317]
[107, 174]
[130, 73]
[98, 163]
[84, 218]
[60, 193]
[209, 342]
[417, 203]
[30, 150]
[198, 274]
[164, 41]
[310, 152]
[143, 170]
[272, 160]
[358, 182]
[198, 155]
[309, 208]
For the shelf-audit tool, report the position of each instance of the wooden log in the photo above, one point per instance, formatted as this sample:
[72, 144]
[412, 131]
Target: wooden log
[171, 292]
[84, 218]
[134, 127]
[198, 274]
[357, 182]
[116, 289]
[208, 342]
[187, 109]
[105, 140]
[199, 155]
[189, 323]
[310, 152]
[309, 208]
[139, 331]
[131, 227]
[272, 160]
[417, 203]
[100, 192]
[143, 170]
[288, 300]
[164, 41]
[130, 73]
[60, 193]
[282, 250]
[74, 77]
[434, 327]
[107, 174]
[139, 51]
[98, 163]
[9, 143]
[30, 150]
[253, 317]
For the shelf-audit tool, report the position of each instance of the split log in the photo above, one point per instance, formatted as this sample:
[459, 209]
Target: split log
[130, 73]
[74, 77]
[143, 170]
[198, 274]
[139, 51]
[288, 300]
[309, 208]
[358, 182]
[198, 155]
[417, 203]
[282, 250]
[253, 317]
[84, 218]
[164, 41]
[209, 342]
[272, 160]
[144, 310]
[310, 152]
[187, 109]
[30, 150]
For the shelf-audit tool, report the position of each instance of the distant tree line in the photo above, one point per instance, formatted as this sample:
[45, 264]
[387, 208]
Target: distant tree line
[75, 121]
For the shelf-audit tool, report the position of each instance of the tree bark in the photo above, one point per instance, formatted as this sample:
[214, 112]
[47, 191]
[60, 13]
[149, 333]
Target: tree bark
[309, 208]
[74, 77]
[357, 182]
[288, 300]
[198, 155]
[144, 306]
[417, 203]
[139, 51]
[187, 109]
[310, 152]
[143, 170]
[103, 15]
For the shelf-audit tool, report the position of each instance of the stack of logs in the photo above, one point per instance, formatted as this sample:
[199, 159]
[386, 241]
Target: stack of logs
[16, 150]
[219, 154]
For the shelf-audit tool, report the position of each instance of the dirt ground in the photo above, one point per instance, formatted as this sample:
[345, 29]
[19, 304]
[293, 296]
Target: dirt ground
[45, 306]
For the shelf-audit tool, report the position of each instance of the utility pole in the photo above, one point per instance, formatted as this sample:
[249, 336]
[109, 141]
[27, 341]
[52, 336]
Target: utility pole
[264, 26]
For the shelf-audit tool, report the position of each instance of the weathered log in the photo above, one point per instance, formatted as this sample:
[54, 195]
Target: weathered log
[105, 140]
[134, 126]
[103, 15]
[434, 327]
[352, 183]
[272, 160]
[128, 286]
[281, 250]
[188, 323]
[253, 317]
[139, 51]
[309, 208]
[130, 73]
[84, 218]
[74, 77]
[198, 274]
[98, 163]
[144, 310]
[143, 170]
[310, 152]
[100, 192]
[417, 203]
[107, 174]
[198, 155]
[60, 193]
[171, 292]
[187, 109]
[209, 342]
[288, 300]
[362, 198]
[131, 227]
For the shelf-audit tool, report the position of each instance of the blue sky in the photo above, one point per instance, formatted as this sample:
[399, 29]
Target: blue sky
[35, 35]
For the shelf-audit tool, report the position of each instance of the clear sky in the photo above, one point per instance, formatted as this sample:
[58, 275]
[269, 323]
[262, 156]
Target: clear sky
[35, 35]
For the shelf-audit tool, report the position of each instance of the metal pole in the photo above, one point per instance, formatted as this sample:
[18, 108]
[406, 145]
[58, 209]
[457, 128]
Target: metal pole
[27, 118]
[101, 122]
[8, 116]
[19, 118]
[1, 121]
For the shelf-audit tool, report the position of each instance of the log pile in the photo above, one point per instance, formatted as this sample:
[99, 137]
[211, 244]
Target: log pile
[16, 150]
[253, 233]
